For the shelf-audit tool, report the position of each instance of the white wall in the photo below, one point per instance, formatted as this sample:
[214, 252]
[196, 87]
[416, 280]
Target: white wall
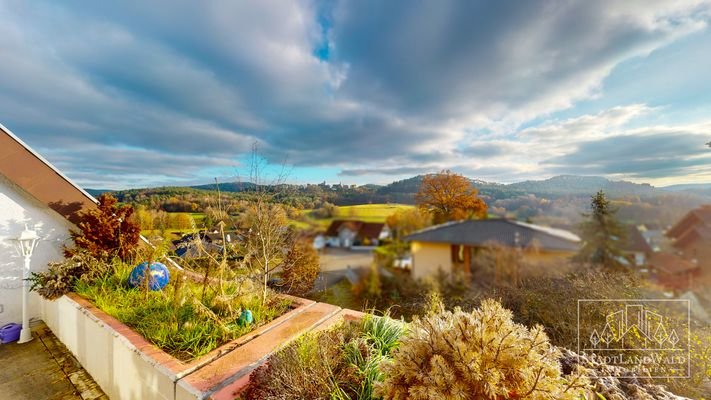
[121, 370]
[18, 208]
[429, 258]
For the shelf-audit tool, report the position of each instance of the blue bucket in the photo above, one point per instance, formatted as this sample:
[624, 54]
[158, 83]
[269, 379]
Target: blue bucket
[10, 333]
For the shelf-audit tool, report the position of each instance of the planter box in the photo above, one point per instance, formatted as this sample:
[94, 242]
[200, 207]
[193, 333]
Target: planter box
[127, 366]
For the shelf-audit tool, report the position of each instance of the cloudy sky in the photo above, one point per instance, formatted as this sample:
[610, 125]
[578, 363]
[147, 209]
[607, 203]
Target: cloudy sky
[139, 93]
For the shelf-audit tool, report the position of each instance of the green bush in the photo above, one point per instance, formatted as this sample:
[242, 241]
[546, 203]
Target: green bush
[60, 277]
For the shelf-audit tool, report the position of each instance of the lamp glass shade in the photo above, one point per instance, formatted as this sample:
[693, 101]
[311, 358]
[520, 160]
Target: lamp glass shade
[27, 240]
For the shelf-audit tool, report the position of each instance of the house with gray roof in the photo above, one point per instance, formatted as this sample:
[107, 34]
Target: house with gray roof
[458, 246]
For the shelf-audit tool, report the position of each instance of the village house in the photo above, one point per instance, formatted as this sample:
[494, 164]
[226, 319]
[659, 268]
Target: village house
[34, 195]
[673, 272]
[349, 233]
[688, 265]
[457, 246]
[635, 248]
[691, 237]
[653, 234]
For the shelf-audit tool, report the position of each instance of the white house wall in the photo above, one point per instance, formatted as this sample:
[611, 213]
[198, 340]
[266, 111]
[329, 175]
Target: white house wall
[18, 208]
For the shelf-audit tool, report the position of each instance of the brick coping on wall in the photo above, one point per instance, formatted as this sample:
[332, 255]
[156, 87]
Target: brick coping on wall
[224, 372]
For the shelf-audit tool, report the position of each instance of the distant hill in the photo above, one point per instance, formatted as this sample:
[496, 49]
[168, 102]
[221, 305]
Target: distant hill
[227, 187]
[97, 192]
[405, 186]
[689, 187]
[403, 191]
[583, 185]
[557, 201]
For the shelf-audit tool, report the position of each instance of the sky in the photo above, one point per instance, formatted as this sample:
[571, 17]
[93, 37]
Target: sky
[134, 94]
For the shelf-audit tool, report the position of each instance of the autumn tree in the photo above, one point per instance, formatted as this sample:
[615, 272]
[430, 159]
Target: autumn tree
[602, 235]
[301, 268]
[106, 231]
[144, 218]
[406, 221]
[449, 197]
[181, 221]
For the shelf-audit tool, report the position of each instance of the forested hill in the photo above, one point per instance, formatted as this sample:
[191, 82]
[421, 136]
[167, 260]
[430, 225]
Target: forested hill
[557, 201]
[562, 185]
[403, 191]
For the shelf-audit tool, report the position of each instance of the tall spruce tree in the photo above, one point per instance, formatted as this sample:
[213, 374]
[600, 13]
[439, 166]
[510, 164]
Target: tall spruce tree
[602, 235]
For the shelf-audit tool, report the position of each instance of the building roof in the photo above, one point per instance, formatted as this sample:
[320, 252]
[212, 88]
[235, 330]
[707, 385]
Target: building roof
[691, 235]
[635, 242]
[503, 231]
[24, 167]
[370, 230]
[700, 216]
[670, 263]
[334, 227]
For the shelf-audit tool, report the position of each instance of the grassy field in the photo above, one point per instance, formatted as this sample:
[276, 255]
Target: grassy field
[198, 218]
[361, 212]
[370, 212]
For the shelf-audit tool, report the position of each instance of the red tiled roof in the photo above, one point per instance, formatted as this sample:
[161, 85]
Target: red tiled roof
[697, 217]
[334, 227]
[697, 233]
[670, 263]
[370, 230]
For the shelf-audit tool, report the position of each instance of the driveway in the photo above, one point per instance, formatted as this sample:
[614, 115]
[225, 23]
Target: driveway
[338, 264]
[334, 259]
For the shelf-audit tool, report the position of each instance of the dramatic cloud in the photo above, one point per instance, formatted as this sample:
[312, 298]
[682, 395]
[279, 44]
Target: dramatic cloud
[134, 93]
[646, 153]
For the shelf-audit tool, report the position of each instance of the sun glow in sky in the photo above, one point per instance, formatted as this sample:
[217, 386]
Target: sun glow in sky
[133, 94]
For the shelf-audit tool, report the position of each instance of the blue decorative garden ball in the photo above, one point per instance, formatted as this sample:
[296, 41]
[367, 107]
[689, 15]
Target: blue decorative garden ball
[245, 318]
[159, 276]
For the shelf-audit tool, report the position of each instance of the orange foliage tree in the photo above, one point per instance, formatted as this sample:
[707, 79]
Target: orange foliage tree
[106, 231]
[301, 268]
[449, 197]
[404, 222]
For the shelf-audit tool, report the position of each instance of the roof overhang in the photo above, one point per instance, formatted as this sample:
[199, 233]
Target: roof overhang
[27, 169]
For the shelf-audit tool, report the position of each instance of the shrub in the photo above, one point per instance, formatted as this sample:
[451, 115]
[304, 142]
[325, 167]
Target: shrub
[336, 364]
[107, 231]
[301, 268]
[477, 355]
[309, 368]
[61, 277]
[327, 210]
[552, 302]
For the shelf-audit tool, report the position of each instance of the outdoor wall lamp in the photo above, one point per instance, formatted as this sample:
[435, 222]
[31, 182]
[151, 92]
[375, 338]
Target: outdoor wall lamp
[26, 243]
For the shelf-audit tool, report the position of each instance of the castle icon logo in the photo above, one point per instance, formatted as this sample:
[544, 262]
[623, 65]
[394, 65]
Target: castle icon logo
[650, 338]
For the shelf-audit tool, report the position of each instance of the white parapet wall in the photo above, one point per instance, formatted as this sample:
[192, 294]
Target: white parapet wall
[127, 367]
[117, 365]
